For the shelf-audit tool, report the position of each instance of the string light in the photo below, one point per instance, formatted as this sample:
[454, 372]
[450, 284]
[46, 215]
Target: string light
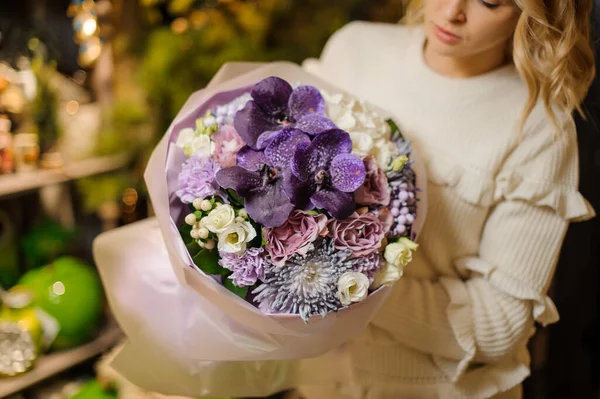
[86, 30]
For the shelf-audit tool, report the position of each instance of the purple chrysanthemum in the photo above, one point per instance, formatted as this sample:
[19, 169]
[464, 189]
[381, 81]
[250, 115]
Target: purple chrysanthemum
[247, 269]
[259, 177]
[197, 179]
[275, 105]
[324, 173]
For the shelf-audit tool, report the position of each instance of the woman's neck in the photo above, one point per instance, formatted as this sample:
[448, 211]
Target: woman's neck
[464, 67]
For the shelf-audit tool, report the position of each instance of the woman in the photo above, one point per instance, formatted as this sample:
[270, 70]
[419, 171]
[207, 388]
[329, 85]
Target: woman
[485, 90]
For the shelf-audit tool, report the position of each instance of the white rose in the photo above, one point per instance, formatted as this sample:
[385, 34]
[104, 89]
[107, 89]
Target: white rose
[219, 219]
[353, 287]
[387, 275]
[400, 253]
[235, 238]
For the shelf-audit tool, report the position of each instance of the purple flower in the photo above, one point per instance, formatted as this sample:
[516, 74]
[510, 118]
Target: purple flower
[324, 173]
[369, 265]
[375, 190]
[258, 177]
[276, 106]
[295, 236]
[362, 233]
[197, 179]
[247, 269]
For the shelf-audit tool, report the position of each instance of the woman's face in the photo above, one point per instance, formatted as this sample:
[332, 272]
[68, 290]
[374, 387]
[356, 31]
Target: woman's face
[467, 28]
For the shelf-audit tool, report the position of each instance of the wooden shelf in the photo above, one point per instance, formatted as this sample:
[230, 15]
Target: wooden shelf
[54, 363]
[21, 182]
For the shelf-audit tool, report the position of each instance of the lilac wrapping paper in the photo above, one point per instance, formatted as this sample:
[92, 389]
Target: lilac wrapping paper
[187, 334]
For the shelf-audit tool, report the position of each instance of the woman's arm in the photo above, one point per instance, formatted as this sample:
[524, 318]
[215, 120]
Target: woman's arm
[484, 318]
[489, 315]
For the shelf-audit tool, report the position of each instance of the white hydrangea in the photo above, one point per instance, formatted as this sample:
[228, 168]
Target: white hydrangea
[224, 114]
[369, 132]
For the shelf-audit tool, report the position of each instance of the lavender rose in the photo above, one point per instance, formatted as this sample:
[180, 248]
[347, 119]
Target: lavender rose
[362, 232]
[375, 190]
[247, 269]
[294, 236]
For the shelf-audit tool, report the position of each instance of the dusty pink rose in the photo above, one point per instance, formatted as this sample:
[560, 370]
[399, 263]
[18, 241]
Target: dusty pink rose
[362, 232]
[227, 144]
[295, 236]
[375, 190]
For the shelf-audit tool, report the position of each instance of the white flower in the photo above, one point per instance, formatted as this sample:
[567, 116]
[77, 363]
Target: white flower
[353, 287]
[219, 219]
[235, 238]
[400, 253]
[362, 144]
[397, 255]
[201, 144]
[387, 275]
[384, 152]
[193, 143]
[369, 132]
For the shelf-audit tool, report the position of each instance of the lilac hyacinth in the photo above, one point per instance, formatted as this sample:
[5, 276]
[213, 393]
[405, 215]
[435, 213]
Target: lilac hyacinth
[275, 105]
[258, 177]
[247, 269]
[324, 174]
[197, 179]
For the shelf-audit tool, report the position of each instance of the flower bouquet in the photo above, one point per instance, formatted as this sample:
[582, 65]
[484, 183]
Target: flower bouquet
[287, 209]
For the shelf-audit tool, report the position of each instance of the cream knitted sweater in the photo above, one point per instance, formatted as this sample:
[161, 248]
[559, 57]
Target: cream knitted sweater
[458, 322]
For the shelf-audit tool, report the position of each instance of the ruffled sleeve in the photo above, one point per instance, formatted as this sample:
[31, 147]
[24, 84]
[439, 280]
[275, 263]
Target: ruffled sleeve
[490, 313]
[542, 170]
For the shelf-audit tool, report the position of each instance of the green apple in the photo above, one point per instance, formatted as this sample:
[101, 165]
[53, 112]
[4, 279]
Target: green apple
[93, 390]
[70, 291]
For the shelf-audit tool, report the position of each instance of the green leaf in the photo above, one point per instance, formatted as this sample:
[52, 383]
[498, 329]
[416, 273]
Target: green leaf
[396, 134]
[257, 242]
[193, 247]
[235, 199]
[185, 230]
[239, 291]
[208, 261]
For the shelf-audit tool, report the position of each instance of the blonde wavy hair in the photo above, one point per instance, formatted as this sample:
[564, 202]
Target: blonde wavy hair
[551, 50]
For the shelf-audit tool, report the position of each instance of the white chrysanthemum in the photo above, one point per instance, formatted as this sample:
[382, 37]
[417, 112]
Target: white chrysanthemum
[306, 285]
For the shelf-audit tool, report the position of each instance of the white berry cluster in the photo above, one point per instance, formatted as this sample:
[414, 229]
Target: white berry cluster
[214, 223]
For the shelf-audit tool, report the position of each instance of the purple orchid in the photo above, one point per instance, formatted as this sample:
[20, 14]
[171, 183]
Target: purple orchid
[324, 173]
[276, 106]
[258, 177]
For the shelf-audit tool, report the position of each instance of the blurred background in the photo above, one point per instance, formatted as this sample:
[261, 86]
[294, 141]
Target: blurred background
[87, 88]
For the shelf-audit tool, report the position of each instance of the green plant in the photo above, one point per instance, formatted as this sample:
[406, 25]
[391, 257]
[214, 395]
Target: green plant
[45, 241]
[97, 190]
[45, 104]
